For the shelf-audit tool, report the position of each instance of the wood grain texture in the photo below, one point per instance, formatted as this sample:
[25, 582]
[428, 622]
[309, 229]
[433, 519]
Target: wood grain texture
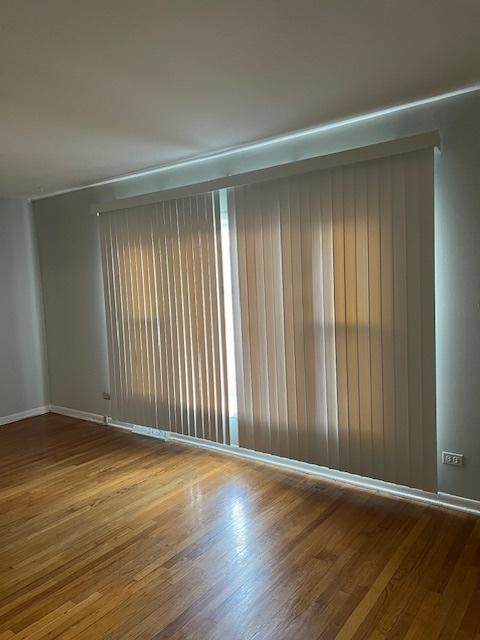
[108, 535]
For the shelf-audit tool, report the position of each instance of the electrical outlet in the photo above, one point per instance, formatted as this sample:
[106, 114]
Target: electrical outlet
[456, 459]
[106, 395]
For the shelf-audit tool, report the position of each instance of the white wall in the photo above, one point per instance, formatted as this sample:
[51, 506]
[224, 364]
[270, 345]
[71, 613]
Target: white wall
[72, 283]
[22, 354]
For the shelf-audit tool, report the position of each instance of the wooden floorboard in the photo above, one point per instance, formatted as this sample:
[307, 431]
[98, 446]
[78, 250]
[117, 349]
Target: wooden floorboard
[108, 535]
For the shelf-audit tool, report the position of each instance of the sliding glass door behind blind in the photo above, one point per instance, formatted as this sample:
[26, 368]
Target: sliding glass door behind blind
[165, 320]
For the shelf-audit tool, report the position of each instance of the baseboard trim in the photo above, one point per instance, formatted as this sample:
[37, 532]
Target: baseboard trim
[75, 413]
[21, 415]
[439, 499]
[150, 432]
[457, 502]
[99, 419]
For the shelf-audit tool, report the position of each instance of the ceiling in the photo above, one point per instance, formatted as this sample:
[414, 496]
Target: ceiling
[92, 89]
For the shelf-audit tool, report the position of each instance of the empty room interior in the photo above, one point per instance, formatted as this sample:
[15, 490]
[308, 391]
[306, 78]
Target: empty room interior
[240, 320]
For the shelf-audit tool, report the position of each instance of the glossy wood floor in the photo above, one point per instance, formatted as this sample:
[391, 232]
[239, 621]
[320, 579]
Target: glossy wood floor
[107, 535]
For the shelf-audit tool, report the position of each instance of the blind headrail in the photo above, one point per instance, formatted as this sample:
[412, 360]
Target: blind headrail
[397, 146]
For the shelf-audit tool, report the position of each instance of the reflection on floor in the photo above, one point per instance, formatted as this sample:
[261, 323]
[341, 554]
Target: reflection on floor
[104, 534]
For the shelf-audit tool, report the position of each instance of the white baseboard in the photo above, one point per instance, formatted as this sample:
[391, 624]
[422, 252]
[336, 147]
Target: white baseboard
[99, 419]
[457, 502]
[439, 499]
[30, 413]
[75, 413]
[140, 430]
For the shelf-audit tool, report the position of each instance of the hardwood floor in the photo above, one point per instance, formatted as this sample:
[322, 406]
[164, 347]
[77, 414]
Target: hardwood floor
[107, 535]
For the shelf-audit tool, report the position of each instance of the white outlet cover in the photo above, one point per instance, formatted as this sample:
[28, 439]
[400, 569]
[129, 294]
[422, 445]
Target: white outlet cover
[455, 459]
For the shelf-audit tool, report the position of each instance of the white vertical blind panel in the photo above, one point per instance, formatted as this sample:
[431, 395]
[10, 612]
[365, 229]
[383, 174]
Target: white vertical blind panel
[334, 317]
[165, 320]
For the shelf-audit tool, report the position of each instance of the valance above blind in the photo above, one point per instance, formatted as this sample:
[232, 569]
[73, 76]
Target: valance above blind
[347, 157]
[334, 317]
[164, 298]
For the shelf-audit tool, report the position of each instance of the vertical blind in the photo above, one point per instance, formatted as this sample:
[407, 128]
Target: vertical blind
[331, 343]
[333, 295]
[165, 322]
